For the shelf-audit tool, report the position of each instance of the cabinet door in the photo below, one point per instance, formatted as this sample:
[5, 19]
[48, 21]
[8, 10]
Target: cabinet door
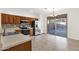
[30, 21]
[23, 18]
[16, 20]
[31, 32]
[10, 19]
[6, 19]
[3, 18]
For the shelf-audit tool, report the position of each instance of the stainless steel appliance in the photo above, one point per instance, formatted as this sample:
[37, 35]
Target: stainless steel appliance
[36, 30]
[24, 27]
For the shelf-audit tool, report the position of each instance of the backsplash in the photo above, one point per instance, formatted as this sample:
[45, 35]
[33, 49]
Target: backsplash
[10, 25]
[9, 29]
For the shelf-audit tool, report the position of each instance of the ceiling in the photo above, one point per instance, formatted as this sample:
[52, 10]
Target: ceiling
[35, 12]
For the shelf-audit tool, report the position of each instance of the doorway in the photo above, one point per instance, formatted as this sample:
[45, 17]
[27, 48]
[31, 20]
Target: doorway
[57, 25]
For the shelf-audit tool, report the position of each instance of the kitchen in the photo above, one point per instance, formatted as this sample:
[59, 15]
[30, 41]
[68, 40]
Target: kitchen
[16, 32]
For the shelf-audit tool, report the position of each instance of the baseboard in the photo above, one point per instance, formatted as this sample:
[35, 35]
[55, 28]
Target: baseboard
[40, 34]
[72, 39]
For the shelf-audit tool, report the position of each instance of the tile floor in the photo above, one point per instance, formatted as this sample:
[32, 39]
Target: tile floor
[47, 42]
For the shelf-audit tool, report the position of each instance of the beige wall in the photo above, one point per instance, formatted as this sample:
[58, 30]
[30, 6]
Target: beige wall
[73, 21]
[0, 20]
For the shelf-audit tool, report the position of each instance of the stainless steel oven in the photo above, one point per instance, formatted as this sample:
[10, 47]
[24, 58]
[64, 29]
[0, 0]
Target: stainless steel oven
[24, 27]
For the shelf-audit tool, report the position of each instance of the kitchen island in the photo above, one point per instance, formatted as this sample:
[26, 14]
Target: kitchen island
[17, 42]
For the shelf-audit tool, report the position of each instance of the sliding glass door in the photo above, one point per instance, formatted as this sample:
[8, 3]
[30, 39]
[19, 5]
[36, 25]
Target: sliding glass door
[57, 26]
[51, 26]
[61, 27]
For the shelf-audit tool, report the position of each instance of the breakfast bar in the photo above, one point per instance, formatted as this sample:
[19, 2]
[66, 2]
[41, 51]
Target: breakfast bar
[18, 42]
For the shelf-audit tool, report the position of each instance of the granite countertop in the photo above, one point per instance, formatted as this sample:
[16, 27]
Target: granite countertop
[13, 40]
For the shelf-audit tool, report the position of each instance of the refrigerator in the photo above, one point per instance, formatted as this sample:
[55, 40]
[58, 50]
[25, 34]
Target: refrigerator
[36, 29]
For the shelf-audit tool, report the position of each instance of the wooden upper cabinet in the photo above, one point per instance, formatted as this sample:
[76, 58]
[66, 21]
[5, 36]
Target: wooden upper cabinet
[3, 18]
[17, 19]
[10, 19]
[7, 19]
[13, 19]
[30, 20]
[23, 18]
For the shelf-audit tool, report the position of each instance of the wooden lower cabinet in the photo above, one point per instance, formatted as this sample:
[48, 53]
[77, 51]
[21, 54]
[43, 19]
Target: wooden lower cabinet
[22, 47]
[31, 32]
[18, 31]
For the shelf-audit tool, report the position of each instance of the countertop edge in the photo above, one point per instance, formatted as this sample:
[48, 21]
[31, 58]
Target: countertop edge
[15, 45]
